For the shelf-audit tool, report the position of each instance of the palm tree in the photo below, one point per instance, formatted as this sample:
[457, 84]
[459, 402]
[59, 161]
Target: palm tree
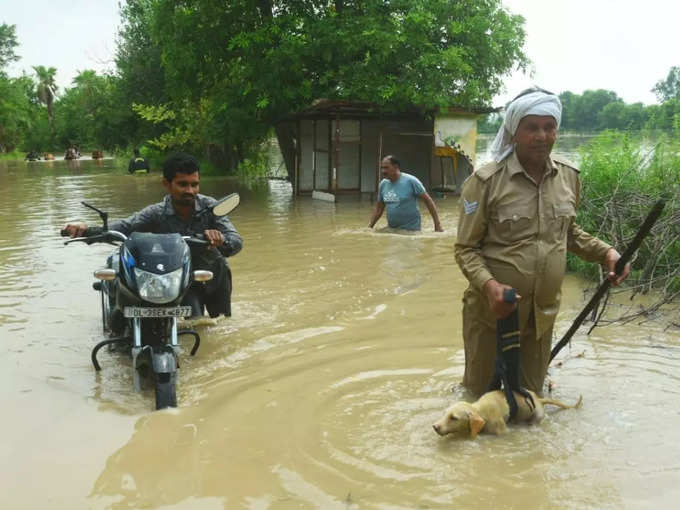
[47, 90]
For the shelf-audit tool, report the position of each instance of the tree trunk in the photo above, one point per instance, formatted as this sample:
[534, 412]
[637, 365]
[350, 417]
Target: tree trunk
[50, 117]
[265, 7]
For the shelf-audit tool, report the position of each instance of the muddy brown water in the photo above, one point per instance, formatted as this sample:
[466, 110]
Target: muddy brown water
[319, 393]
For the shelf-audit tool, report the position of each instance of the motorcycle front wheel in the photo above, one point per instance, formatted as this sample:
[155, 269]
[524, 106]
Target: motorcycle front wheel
[166, 395]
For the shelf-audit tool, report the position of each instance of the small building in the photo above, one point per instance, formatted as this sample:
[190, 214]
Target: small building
[336, 147]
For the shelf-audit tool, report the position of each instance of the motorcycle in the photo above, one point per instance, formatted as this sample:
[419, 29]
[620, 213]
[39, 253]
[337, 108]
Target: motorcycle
[142, 289]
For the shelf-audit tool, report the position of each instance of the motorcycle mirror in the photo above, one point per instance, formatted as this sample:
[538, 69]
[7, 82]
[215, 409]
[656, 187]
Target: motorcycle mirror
[226, 204]
[103, 215]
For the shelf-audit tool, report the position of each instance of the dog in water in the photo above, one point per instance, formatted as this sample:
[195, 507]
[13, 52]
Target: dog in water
[490, 414]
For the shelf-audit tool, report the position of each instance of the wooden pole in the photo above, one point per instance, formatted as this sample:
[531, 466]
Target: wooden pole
[620, 264]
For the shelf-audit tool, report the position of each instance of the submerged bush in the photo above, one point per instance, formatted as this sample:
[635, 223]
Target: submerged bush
[622, 179]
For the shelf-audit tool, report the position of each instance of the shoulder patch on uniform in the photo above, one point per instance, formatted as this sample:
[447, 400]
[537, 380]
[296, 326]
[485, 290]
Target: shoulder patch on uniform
[470, 207]
[486, 171]
[565, 162]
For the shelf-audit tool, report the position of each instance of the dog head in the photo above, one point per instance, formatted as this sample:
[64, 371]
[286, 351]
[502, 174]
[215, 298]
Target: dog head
[460, 418]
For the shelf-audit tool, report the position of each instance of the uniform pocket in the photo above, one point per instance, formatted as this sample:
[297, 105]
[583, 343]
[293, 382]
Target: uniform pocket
[516, 220]
[563, 214]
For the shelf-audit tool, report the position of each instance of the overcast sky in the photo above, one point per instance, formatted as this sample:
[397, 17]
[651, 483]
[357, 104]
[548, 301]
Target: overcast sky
[620, 45]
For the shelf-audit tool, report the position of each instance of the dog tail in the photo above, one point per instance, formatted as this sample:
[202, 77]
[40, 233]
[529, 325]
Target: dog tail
[558, 403]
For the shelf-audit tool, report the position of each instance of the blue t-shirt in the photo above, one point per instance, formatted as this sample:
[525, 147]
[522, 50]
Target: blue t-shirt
[401, 201]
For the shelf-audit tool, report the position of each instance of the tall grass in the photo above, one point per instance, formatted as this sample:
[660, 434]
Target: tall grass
[622, 178]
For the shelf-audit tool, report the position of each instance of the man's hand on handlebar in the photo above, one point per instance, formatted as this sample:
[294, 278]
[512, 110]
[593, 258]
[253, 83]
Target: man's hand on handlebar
[214, 237]
[74, 230]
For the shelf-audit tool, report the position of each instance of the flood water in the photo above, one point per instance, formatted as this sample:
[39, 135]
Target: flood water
[319, 393]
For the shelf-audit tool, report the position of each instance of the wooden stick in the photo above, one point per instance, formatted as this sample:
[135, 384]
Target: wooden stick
[620, 264]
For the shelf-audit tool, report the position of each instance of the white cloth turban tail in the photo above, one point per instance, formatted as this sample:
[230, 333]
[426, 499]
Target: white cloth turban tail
[534, 103]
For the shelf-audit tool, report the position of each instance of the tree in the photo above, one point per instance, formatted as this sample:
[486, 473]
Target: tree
[581, 112]
[139, 70]
[669, 88]
[258, 61]
[592, 102]
[47, 90]
[665, 116]
[19, 111]
[18, 114]
[612, 116]
[91, 113]
[634, 116]
[569, 101]
[8, 41]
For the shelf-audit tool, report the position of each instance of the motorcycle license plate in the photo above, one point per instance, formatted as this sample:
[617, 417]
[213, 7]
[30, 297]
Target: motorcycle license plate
[143, 312]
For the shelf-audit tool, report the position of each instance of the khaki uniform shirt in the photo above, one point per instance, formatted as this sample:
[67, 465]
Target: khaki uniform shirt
[517, 232]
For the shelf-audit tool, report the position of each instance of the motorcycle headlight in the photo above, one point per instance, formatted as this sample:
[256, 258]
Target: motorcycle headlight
[158, 288]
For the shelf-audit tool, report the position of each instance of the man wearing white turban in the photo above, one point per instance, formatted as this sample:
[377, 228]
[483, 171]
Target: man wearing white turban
[516, 225]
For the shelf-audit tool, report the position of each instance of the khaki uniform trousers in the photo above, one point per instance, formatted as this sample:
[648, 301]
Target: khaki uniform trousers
[479, 337]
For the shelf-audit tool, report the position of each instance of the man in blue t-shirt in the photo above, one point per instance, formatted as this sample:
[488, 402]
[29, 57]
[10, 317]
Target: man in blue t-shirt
[400, 192]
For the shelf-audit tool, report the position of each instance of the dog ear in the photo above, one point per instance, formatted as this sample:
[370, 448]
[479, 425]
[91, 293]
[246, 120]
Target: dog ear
[476, 424]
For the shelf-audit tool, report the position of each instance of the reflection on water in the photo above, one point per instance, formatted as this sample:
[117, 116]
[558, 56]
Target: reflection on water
[320, 391]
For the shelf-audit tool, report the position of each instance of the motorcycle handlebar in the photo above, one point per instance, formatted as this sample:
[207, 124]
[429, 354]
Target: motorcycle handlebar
[195, 240]
[106, 237]
[86, 240]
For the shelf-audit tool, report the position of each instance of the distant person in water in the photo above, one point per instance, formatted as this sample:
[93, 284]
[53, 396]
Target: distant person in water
[399, 192]
[71, 153]
[138, 163]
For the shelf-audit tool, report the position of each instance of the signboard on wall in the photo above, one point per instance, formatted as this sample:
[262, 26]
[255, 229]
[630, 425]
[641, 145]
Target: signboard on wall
[458, 132]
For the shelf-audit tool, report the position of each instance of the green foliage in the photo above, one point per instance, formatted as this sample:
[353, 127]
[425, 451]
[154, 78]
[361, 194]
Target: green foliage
[187, 127]
[262, 163]
[668, 89]
[18, 102]
[139, 71]
[622, 178]
[425, 52]
[580, 112]
[8, 42]
[89, 114]
[13, 155]
[257, 62]
[665, 116]
[212, 77]
[47, 91]
[17, 113]
[597, 110]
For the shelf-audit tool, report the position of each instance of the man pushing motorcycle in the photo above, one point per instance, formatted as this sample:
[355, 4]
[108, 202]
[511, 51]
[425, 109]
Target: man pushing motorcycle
[184, 211]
